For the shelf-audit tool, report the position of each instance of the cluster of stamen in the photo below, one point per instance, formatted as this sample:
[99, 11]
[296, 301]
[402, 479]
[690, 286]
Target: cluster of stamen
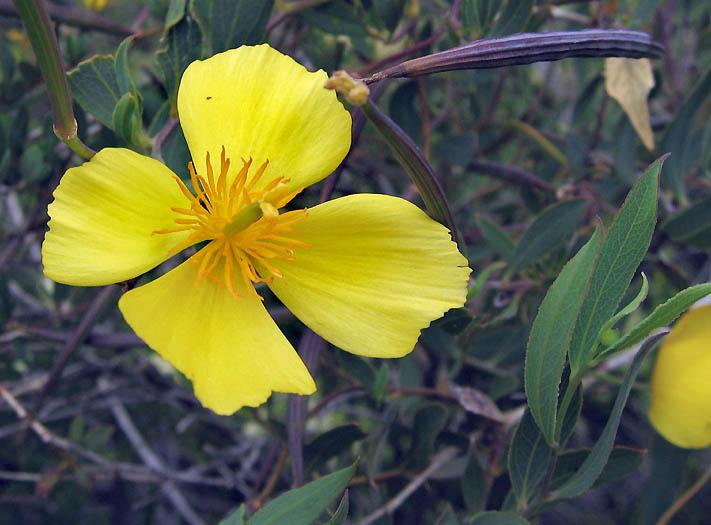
[242, 223]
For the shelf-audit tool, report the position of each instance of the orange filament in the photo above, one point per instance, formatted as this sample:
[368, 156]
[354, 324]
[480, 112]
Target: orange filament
[238, 248]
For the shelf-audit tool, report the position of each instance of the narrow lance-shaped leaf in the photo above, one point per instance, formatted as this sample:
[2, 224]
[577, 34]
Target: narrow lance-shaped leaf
[496, 238]
[528, 459]
[495, 517]
[662, 315]
[513, 18]
[546, 231]
[595, 462]
[416, 166]
[303, 505]
[621, 252]
[236, 518]
[551, 334]
[339, 517]
[678, 137]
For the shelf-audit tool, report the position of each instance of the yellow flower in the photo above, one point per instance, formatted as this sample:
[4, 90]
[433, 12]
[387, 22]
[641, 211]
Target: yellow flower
[366, 272]
[681, 382]
[95, 5]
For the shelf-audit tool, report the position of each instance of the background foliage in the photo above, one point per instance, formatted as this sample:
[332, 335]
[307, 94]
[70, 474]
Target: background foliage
[536, 162]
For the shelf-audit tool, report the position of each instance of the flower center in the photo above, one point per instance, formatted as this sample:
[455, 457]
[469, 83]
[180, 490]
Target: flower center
[243, 225]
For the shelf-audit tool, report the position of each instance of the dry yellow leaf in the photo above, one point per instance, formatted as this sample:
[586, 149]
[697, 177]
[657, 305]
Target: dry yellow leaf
[629, 80]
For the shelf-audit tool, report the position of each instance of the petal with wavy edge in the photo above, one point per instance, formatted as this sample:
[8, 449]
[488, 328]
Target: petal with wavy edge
[262, 104]
[230, 349]
[681, 389]
[103, 216]
[378, 270]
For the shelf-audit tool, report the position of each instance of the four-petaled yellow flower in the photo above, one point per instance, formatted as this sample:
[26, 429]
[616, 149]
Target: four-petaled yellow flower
[681, 382]
[366, 272]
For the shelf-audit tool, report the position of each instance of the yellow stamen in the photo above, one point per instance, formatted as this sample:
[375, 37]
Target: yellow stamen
[243, 225]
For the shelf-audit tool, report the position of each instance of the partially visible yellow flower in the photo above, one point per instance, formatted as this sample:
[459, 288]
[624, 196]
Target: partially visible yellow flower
[95, 5]
[681, 382]
[366, 272]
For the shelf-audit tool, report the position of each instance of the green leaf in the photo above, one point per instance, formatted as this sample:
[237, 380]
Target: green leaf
[182, 46]
[123, 75]
[513, 17]
[403, 110]
[662, 315]
[228, 24]
[330, 444]
[175, 13]
[175, 153]
[94, 85]
[429, 422]
[482, 276]
[551, 334]
[236, 518]
[473, 484]
[496, 238]
[691, 225]
[477, 16]
[622, 461]
[127, 123]
[338, 18]
[528, 459]
[32, 164]
[495, 517]
[160, 119]
[622, 251]
[339, 517]
[380, 383]
[594, 463]
[548, 229]
[303, 505]
[631, 307]
[572, 414]
[677, 138]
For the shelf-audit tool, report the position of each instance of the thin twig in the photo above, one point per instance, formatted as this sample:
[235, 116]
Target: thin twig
[105, 296]
[684, 498]
[441, 459]
[149, 458]
[74, 16]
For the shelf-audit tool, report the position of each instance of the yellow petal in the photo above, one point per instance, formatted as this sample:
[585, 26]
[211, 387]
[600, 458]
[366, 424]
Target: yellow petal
[261, 104]
[103, 216]
[377, 271]
[229, 348]
[681, 382]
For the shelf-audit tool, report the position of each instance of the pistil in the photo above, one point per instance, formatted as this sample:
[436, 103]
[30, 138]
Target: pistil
[243, 225]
